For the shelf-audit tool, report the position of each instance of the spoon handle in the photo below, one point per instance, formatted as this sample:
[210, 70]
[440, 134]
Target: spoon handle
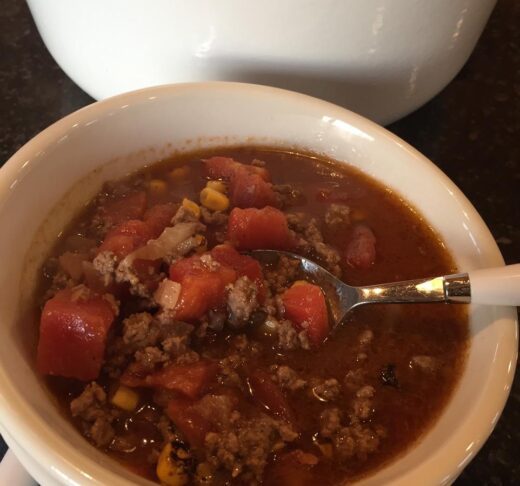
[496, 286]
[492, 286]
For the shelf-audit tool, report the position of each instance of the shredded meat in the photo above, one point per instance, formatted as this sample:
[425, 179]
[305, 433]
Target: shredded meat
[96, 417]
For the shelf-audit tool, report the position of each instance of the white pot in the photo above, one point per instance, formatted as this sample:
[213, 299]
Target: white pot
[380, 58]
[65, 165]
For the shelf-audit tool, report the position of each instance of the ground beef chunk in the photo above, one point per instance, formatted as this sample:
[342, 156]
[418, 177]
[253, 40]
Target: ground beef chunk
[106, 263]
[327, 390]
[228, 374]
[244, 446]
[213, 218]
[282, 275]
[357, 440]
[363, 405]
[139, 331]
[287, 195]
[150, 357]
[188, 358]
[354, 379]
[427, 364]
[330, 422]
[288, 337]
[366, 337]
[216, 409]
[337, 215]
[287, 378]
[175, 337]
[96, 417]
[310, 242]
[242, 301]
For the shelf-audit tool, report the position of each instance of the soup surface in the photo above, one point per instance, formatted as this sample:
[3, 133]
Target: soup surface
[191, 362]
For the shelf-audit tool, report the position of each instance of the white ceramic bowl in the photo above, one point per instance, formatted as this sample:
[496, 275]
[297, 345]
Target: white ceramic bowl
[380, 58]
[137, 128]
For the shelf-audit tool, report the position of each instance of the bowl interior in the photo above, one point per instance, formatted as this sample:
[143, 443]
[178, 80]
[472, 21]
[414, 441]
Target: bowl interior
[64, 166]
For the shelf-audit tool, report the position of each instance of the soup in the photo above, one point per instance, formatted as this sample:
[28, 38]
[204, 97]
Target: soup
[182, 356]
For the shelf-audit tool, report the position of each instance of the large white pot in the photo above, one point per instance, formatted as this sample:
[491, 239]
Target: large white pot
[380, 58]
[134, 129]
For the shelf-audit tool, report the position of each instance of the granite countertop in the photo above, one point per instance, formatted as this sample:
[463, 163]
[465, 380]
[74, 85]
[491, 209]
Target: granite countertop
[471, 130]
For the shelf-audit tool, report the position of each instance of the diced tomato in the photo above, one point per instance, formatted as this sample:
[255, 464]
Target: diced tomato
[269, 394]
[127, 237]
[244, 266]
[73, 334]
[361, 250]
[306, 308]
[188, 421]
[202, 289]
[249, 185]
[120, 210]
[159, 217]
[190, 380]
[293, 469]
[254, 229]
[251, 191]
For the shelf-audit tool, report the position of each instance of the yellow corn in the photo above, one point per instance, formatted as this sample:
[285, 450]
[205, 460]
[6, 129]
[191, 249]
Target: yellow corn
[214, 200]
[218, 186]
[191, 206]
[300, 282]
[170, 467]
[180, 172]
[125, 398]
[157, 186]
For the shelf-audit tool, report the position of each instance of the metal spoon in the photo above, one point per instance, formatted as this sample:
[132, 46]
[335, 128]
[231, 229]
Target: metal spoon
[491, 286]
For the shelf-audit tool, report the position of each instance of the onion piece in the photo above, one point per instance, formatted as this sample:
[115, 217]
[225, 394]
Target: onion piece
[167, 294]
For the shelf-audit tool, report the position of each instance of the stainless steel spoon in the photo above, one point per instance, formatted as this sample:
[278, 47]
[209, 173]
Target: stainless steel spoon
[491, 286]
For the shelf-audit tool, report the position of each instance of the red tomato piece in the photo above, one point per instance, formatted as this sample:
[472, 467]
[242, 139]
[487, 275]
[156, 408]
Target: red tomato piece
[270, 395]
[190, 422]
[73, 334]
[361, 250]
[158, 217]
[191, 380]
[249, 185]
[127, 237]
[306, 308]
[249, 190]
[202, 289]
[128, 207]
[244, 266]
[254, 229]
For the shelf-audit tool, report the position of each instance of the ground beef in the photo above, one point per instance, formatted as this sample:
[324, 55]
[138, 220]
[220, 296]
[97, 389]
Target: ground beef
[287, 378]
[96, 417]
[337, 215]
[310, 242]
[139, 331]
[188, 358]
[176, 338]
[424, 363]
[366, 337]
[245, 445]
[288, 337]
[330, 422]
[287, 195]
[354, 379]
[327, 390]
[105, 263]
[357, 440]
[282, 274]
[228, 374]
[216, 409]
[213, 218]
[363, 404]
[242, 301]
[150, 357]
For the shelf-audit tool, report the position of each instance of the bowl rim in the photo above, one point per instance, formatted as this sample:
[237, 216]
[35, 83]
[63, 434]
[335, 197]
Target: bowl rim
[20, 418]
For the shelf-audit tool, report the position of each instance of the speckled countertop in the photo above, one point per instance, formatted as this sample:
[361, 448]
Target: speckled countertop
[471, 130]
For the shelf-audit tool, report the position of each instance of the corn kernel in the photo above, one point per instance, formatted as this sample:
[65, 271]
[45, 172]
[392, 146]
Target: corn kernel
[170, 471]
[214, 200]
[157, 186]
[191, 206]
[179, 173]
[218, 186]
[125, 398]
[299, 282]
